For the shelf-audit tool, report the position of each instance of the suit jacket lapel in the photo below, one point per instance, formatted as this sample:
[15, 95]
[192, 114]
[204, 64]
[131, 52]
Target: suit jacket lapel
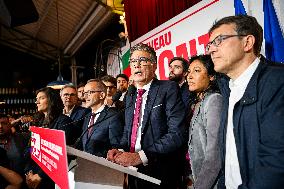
[152, 94]
[86, 124]
[101, 118]
[130, 111]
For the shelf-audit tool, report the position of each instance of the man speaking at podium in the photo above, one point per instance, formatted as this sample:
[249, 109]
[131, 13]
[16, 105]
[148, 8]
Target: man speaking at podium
[154, 130]
[103, 127]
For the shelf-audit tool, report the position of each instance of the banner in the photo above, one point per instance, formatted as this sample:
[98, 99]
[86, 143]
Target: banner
[49, 152]
[184, 35]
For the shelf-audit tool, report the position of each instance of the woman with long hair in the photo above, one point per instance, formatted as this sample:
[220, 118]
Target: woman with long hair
[50, 108]
[205, 120]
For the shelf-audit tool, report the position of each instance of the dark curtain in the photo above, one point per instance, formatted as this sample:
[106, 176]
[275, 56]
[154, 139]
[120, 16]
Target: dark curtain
[144, 15]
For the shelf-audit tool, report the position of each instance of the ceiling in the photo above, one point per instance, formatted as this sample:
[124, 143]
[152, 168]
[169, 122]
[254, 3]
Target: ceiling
[62, 26]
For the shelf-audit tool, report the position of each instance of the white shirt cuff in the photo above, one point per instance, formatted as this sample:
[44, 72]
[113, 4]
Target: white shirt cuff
[143, 157]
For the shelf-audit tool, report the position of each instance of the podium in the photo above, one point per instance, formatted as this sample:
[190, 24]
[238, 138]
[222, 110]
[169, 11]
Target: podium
[97, 172]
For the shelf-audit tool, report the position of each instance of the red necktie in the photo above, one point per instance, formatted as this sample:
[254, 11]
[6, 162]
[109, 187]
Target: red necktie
[136, 119]
[90, 129]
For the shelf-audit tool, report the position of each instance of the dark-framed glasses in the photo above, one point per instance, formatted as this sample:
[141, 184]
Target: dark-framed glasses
[141, 61]
[219, 39]
[89, 92]
[69, 95]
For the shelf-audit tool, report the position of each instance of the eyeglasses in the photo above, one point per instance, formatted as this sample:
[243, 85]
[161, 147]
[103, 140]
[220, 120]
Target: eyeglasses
[90, 92]
[219, 39]
[67, 95]
[143, 61]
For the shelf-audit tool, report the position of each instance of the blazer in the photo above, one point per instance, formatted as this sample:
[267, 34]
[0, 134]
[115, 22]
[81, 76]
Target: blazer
[79, 112]
[258, 128]
[163, 131]
[65, 123]
[203, 142]
[106, 132]
[78, 116]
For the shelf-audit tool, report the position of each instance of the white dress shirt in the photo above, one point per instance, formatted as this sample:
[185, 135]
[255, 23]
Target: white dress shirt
[122, 96]
[138, 139]
[97, 114]
[232, 169]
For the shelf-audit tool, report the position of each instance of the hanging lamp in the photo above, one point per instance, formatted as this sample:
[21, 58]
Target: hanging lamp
[60, 82]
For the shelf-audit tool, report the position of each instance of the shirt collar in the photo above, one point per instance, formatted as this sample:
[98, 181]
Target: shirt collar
[68, 113]
[147, 86]
[100, 109]
[180, 84]
[244, 78]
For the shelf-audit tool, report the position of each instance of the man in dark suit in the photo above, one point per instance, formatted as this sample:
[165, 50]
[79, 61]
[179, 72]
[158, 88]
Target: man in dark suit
[69, 97]
[153, 137]
[178, 71]
[122, 85]
[110, 83]
[104, 125]
[251, 131]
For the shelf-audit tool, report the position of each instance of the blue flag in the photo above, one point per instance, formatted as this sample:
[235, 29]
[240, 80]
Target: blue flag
[274, 41]
[239, 7]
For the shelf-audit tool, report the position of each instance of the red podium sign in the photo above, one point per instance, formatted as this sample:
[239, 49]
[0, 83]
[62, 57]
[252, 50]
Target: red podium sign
[49, 152]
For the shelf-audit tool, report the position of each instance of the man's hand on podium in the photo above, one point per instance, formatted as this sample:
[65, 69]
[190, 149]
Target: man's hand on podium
[128, 159]
[124, 158]
[112, 154]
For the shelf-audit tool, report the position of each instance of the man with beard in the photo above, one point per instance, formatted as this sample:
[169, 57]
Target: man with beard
[80, 94]
[122, 84]
[178, 70]
[178, 67]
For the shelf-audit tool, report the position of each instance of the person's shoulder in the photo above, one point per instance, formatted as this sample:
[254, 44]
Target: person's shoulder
[64, 118]
[213, 98]
[164, 82]
[112, 110]
[167, 84]
[81, 109]
[272, 73]
[214, 95]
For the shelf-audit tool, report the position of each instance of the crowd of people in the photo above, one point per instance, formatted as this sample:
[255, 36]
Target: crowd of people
[216, 123]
